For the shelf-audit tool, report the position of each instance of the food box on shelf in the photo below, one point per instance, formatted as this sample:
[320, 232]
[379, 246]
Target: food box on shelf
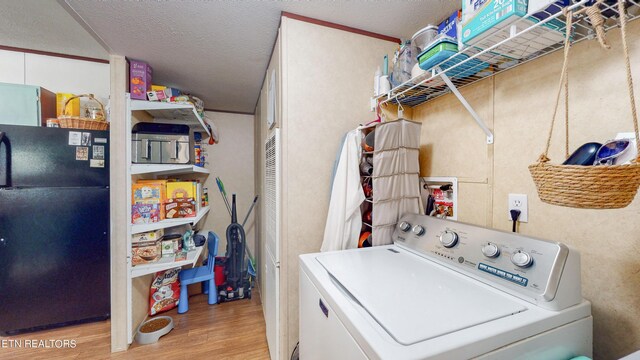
[144, 252]
[168, 248]
[150, 192]
[145, 213]
[147, 236]
[147, 193]
[183, 189]
[156, 95]
[140, 74]
[180, 208]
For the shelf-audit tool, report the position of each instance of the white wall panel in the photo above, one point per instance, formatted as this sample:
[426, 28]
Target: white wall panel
[11, 67]
[67, 75]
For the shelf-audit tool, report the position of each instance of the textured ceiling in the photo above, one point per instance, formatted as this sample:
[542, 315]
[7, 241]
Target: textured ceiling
[45, 25]
[219, 50]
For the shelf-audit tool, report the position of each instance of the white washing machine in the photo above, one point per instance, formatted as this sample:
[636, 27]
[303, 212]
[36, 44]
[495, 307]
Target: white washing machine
[445, 290]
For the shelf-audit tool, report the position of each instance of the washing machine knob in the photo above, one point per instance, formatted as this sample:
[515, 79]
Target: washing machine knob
[418, 230]
[449, 239]
[404, 226]
[521, 259]
[491, 250]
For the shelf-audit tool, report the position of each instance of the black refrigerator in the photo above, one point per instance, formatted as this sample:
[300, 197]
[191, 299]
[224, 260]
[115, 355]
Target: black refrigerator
[54, 227]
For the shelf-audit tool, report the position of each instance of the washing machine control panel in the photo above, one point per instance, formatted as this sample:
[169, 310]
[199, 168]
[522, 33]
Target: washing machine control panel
[521, 264]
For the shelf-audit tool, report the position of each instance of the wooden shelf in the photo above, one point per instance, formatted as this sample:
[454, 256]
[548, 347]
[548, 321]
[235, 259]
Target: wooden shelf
[138, 228]
[165, 112]
[167, 169]
[166, 263]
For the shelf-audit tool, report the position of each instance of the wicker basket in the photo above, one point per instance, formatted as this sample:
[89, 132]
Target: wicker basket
[588, 187]
[79, 122]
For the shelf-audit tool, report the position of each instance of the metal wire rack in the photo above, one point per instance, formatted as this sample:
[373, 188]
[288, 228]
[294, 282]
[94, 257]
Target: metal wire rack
[510, 45]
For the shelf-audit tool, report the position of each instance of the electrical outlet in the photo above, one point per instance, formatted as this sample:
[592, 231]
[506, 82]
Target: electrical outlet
[519, 202]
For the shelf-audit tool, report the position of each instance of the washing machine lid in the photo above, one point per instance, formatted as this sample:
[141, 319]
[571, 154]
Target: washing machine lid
[412, 298]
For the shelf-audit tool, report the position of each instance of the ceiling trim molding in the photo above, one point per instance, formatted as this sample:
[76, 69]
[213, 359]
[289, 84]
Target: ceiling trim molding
[340, 27]
[54, 54]
[229, 112]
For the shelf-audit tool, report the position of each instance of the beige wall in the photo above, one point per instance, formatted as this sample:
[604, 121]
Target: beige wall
[232, 160]
[517, 105]
[324, 100]
[320, 100]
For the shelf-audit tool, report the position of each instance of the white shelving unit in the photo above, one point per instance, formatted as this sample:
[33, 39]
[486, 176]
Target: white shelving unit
[509, 46]
[166, 169]
[165, 112]
[159, 112]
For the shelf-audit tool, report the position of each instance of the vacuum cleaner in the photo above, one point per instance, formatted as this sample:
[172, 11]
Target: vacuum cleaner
[238, 275]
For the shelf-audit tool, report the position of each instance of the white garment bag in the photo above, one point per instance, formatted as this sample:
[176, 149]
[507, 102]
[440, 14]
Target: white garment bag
[344, 219]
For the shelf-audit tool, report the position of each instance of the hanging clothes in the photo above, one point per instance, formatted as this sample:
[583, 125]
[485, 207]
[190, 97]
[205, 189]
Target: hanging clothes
[344, 218]
[336, 162]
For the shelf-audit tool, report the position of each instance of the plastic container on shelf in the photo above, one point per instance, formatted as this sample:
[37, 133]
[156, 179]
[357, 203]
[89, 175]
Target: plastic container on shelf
[442, 52]
[403, 65]
[439, 50]
[425, 36]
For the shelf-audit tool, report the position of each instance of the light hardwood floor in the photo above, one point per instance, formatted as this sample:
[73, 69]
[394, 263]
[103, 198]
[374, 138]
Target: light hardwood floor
[233, 330]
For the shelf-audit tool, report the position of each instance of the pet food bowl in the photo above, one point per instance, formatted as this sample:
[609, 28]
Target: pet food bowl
[149, 333]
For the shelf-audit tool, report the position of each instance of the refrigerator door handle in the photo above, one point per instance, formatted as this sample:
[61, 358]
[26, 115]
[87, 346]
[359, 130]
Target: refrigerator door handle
[5, 167]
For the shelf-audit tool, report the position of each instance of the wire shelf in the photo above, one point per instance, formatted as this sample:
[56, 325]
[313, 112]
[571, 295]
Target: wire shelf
[511, 45]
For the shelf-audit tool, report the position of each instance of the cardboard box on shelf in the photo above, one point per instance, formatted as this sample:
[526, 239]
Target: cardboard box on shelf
[482, 17]
[180, 208]
[168, 248]
[158, 188]
[145, 213]
[147, 193]
[140, 74]
[147, 236]
[180, 189]
[145, 252]
[156, 95]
